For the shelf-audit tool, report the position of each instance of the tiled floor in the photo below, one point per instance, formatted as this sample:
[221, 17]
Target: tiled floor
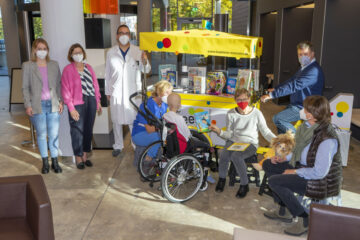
[109, 201]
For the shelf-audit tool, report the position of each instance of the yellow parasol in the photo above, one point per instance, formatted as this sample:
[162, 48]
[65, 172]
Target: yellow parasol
[203, 42]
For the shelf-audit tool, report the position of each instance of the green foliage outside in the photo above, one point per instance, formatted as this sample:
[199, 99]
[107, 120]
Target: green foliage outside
[190, 8]
[1, 29]
[37, 27]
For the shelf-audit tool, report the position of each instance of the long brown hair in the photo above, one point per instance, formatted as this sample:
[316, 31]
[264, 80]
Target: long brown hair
[35, 43]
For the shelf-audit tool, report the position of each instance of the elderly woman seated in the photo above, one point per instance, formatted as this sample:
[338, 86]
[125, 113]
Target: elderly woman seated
[318, 174]
[242, 126]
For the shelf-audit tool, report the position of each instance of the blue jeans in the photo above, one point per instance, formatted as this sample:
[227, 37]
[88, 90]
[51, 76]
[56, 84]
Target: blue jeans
[145, 139]
[283, 120]
[47, 124]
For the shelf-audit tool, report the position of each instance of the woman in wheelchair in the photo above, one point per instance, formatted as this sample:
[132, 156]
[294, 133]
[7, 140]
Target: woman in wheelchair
[242, 126]
[144, 134]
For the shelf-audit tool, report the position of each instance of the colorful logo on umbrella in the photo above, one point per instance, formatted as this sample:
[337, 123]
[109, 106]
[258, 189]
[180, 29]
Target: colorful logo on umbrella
[166, 43]
[341, 108]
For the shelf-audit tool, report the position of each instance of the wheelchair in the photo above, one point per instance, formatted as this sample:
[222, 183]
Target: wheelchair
[181, 174]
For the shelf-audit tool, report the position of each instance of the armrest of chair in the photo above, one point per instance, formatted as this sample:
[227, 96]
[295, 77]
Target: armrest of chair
[12, 198]
[39, 213]
[333, 223]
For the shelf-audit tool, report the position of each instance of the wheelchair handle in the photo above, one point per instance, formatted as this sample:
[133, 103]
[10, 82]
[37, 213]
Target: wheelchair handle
[148, 115]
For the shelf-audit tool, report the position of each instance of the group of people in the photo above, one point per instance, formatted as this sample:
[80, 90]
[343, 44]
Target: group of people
[46, 90]
[318, 170]
[312, 169]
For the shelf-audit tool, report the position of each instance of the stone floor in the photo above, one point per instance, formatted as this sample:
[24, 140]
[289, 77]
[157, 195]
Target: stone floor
[109, 201]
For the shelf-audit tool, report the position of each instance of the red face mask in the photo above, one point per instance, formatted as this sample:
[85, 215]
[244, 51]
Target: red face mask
[243, 105]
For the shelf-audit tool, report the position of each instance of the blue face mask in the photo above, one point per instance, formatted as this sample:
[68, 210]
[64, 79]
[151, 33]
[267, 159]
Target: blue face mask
[304, 61]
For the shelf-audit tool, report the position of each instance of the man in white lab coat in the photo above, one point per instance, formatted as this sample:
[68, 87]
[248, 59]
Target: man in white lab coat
[122, 78]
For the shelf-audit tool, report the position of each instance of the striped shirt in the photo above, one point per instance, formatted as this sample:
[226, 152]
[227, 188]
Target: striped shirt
[87, 82]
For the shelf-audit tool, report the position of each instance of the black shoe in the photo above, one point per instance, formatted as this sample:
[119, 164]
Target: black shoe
[80, 165]
[45, 167]
[116, 152]
[242, 191]
[55, 165]
[220, 185]
[88, 163]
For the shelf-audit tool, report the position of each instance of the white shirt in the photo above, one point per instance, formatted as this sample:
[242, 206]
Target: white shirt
[180, 123]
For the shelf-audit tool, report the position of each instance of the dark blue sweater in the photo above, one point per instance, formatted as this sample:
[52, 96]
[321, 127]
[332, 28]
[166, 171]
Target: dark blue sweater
[307, 82]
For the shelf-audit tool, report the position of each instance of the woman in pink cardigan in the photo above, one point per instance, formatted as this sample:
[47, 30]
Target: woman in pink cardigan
[80, 91]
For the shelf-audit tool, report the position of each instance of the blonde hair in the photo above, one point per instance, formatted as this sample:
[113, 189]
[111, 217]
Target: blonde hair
[161, 87]
[35, 43]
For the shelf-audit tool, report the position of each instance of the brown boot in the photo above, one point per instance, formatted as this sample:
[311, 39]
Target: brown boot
[279, 213]
[298, 228]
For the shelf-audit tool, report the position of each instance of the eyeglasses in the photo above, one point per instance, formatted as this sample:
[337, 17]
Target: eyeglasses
[123, 33]
[242, 100]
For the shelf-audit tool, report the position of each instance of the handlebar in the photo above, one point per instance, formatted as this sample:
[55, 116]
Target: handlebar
[148, 115]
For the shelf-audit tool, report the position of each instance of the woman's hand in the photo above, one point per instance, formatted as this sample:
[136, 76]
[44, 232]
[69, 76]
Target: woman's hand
[149, 128]
[75, 115]
[290, 171]
[99, 109]
[29, 111]
[276, 160]
[214, 128]
[61, 107]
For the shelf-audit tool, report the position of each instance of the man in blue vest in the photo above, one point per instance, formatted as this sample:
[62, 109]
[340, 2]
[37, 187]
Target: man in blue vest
[309, 80]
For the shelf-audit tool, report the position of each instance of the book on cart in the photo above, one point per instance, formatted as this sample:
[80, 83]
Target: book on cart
[171, 76]
[239, 147]
[164, 68]
[195, 72]
[215, 82]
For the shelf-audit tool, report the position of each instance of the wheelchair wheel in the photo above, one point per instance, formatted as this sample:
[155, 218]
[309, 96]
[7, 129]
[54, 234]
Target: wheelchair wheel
[151, 170]
[182, 178]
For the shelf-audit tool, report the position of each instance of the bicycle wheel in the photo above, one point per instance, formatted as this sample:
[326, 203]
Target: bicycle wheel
[182, 178]
[151, 170]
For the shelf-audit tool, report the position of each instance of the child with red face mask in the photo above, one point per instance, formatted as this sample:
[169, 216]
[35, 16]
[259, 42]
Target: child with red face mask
[242, 126]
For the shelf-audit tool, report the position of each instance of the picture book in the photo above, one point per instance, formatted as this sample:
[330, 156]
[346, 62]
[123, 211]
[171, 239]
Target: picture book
[202, 121]
[195, 71]
[199, 85]
[215, 82]
[239, 147]
[164, 68]
[171, 76]
[230, 85]
[243, 79]
[256, 74]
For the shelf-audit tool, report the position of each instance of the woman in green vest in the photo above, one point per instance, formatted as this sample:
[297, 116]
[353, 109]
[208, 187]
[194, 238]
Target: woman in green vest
[318, 170]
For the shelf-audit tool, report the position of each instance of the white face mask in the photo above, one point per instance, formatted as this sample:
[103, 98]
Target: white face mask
[41, 54]
[78, 57]
[164, 99]
[303, 115]
[304, 61]
[124, 39]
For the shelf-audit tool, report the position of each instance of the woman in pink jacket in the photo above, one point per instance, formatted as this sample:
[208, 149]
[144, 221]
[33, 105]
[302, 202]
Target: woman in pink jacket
[80, 91]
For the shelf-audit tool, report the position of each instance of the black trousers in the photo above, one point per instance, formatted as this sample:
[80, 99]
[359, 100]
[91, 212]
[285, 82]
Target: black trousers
[82, 131]
[284, 186]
